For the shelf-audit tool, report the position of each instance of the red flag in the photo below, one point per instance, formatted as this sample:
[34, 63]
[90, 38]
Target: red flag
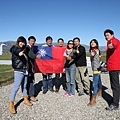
[52, 59]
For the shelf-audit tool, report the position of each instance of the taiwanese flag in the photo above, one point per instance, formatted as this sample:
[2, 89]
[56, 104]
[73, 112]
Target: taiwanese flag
[52, 59]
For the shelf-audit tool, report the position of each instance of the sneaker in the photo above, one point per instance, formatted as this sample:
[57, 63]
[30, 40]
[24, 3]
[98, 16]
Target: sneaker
[66, 94]
[51, 90]
[57, 90]
[64, 88]
[81, 93]
[45, 91]
[70, 95]
[112, 107]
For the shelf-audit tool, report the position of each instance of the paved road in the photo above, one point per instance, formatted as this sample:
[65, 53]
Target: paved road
[55, 106]
[9, 62]
[5, 62]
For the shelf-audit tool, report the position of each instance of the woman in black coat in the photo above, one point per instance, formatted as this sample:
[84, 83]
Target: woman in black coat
[20, 66]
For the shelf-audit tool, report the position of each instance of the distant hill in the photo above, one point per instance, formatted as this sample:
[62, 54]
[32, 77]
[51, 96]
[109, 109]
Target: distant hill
[10, 43]
[102, 48]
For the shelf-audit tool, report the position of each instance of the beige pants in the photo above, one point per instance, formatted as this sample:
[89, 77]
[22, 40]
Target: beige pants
[82, 79]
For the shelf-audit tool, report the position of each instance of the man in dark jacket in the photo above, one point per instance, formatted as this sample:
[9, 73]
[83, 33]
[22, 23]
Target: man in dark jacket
[82, 77]
[31, 58]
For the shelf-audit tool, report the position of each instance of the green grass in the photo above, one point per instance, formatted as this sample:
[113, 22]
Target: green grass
[6, 76]
[6, 73]
[4, 68]
[103, 55]
[5, 56]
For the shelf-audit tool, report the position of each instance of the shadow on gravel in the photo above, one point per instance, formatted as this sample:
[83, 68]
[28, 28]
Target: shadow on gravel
[107, 97]
[58, 82]
[38, 87]
[18, 103]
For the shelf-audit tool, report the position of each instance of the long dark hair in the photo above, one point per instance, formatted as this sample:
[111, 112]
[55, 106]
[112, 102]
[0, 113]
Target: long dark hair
[21, 39]
[70, 41]
[96, 47]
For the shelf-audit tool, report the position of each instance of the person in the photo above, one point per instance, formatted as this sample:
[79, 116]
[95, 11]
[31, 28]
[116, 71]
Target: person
[70, 69]
[47, 77]
[82, 77]
[60, 42]
[31, 57]
[95, 63]
[20, 66]
[113, 66]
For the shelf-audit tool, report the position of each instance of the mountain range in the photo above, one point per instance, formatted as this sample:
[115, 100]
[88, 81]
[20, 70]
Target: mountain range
[10, 43]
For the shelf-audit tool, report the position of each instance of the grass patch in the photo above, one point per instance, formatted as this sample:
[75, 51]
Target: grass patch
[5, 56]
[5, 78]
[6, 73]
[4, 68]
[103, 55]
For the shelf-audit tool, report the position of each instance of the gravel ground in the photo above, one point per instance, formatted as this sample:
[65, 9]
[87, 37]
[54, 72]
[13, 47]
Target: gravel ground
[55, 106]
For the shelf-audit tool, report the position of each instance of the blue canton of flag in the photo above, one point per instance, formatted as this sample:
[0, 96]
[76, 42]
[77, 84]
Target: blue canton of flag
[45, 52]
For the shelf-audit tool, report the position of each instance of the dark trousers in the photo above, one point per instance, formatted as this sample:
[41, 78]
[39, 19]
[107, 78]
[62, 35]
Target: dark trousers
[60, 81]
[30, 85]
[47, 81]
[115, 86]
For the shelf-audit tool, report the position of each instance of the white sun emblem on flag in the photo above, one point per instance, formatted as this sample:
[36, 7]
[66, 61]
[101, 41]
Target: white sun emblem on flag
[42, 52]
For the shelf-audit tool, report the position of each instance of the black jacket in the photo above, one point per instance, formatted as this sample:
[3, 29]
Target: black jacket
[71, 62]
[31, 57]
[18, 62]
[80, 58]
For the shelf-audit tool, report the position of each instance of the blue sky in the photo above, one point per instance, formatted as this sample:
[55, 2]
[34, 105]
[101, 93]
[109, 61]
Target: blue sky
[85, 19]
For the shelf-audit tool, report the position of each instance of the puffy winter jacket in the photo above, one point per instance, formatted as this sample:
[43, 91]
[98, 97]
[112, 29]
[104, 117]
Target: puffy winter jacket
[18, 62]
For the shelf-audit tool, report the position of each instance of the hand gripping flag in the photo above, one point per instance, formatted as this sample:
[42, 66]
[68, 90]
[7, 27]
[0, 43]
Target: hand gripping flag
[52, 59]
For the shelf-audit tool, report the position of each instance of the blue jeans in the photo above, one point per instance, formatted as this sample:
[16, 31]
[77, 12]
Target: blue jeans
[97, 84]
[19, 79]
[47, 81]
[70, 79]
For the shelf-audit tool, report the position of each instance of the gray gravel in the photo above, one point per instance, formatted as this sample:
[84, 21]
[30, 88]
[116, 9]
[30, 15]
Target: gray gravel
[55, 106]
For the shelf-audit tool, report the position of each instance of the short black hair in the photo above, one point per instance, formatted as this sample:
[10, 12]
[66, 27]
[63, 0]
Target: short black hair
[108, 31]
[60, 39]
[48, 38]
[76, 38]
[31, 37]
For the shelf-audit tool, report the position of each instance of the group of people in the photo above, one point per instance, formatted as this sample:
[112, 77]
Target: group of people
[73, 60]
[75, 72]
